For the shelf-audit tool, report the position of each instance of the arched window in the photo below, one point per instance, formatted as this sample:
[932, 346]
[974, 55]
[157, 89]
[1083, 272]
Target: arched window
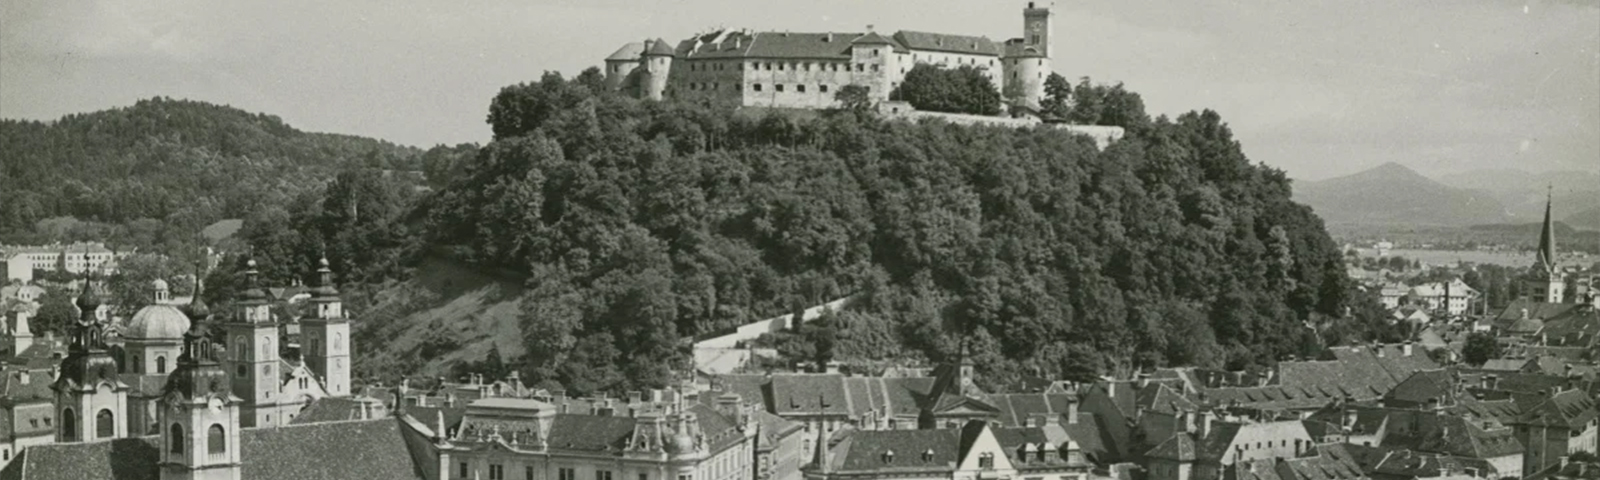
[105, 424]
[239, 348]
[216, 440]
[177, 438]
[137, 367]
[69, 425]
[161, 364]
[337, 341]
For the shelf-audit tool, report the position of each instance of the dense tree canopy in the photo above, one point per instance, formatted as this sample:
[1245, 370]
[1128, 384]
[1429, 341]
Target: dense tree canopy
[638, 223]
[964, 89]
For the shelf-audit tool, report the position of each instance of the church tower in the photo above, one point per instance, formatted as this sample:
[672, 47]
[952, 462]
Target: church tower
[90, 399]
[199, 415]
[252, 358]
[21, 335]
[326, 335]
[1548, 284]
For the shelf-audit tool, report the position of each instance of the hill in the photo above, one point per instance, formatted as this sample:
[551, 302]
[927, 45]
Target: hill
[181, 164]
[1392, 194]
[1523, 193]
[1588, 219]
[632, 225]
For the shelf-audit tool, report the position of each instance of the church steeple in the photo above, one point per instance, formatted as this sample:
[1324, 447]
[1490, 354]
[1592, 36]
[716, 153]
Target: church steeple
[90, 398]
[199, 415]
[1548, 285]
[1547, 240]
[325, 336]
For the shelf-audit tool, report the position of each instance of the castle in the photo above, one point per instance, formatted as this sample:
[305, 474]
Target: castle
[806, 70]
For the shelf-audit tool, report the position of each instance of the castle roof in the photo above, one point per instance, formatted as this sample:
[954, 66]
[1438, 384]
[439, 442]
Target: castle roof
[629, 52]
[659, 47]
[375, 448]
[944, 42]
[871, 38]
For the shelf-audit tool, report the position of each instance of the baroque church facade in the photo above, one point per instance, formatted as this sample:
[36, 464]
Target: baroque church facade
[806, 70]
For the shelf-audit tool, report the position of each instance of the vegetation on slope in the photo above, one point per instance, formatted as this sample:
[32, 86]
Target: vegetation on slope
[638, 224]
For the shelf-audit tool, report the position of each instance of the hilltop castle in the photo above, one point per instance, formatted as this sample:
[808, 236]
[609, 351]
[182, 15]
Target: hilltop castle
[805, 70]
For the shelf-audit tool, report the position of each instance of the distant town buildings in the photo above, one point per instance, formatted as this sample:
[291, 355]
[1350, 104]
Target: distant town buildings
[77, 258]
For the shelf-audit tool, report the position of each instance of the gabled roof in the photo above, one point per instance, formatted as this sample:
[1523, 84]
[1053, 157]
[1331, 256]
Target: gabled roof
[1180, 447]
[867, 450]
[25, 386]
[871, 38]
[659, 47]
[774, 45]
[942, 42]
[1425, 386]
[590, 432]
[1572, 409]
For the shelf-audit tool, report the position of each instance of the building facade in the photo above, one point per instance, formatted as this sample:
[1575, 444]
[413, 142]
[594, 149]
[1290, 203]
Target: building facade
[806, 70]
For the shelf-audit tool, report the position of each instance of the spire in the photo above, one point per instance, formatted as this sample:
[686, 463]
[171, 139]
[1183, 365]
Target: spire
[1547, 239]
[325, 289]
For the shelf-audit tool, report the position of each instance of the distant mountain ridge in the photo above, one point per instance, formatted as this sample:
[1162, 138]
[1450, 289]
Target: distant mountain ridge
[1576, 193]
[1392, 194]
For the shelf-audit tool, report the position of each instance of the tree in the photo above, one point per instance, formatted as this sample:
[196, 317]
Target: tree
[965, 89]
[56, 312]
[854, 98]
[1057, 97]
[1480, 348]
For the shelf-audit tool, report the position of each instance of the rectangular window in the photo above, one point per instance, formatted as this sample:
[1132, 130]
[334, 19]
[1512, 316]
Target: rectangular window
[874, 67]
[823, 88]
[497, 472]
[800, 88]
[644, 476]
[986, 461]
[567, 474]
[768, 66]
[780, 66]
[757, 87]
[874, 52]
[861, 67]
[602, 475]
[778, 86]
[527, 473]
[463, 472]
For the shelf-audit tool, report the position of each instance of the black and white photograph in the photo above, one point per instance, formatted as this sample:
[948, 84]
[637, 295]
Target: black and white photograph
[799, 240]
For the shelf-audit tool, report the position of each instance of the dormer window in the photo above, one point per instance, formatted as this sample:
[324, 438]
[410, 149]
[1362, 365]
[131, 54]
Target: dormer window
[888, 456]
[986, 461]
[927, 456]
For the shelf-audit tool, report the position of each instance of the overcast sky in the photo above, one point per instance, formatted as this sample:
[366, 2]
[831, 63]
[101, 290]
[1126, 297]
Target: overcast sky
[1318, 88]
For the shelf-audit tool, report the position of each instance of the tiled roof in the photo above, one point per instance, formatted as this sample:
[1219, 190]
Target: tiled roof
[15, 389]
[1180, 447]
[774, 428]
[120, 459]
[1016, 408]
[1331, 462]
[1568, 409]
[331, 451]
[1424, 386]
[943, 42]
[365, 449]
[1536, 310]
[868, 450]
[871, 38]
[147, 385]
[819, 394]
[330, 409]
[659, 47]
[1164, 399]
[1504, 364]
[590, 432]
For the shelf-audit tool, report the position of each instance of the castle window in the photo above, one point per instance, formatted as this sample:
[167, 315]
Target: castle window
[780, 66]
[768, 66]
[874, 52]
[861, 67]
[823, 88]
[161, 364]
[177, 438]
[757, 87]
[105, 425]
[778, 86]
[216, 440]
[800, 88]
[874, 67]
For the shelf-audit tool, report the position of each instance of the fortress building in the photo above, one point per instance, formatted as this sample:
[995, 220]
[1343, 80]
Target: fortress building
[805, 70]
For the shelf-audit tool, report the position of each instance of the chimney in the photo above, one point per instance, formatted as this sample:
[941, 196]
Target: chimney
[1182, 423]
[728, 405]
[1072, 412]
[1406, 349]
[1204, 426]
[1490, 382]
[25, 377]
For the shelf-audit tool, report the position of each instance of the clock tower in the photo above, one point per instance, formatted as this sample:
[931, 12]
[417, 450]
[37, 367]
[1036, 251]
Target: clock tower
[1036, 28]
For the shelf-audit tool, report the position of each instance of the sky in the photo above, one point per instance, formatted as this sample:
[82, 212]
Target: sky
[1318, 88]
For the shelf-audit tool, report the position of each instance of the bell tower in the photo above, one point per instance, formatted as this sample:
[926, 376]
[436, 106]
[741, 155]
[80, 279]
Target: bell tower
[326, 335]
[252, 358]
[199, 415]
[90, 398]
[1548, 284]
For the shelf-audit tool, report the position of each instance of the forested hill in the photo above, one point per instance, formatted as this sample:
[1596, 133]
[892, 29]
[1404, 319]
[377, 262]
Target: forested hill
[640, 223]
[183, 163]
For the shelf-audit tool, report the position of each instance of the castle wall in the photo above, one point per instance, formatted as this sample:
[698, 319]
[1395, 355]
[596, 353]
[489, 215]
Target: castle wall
[794, 83]
[719, 78]
[617, 72]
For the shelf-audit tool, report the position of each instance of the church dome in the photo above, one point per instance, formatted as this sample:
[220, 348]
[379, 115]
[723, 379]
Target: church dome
[89, 299]
[157, 322]
[158, 285]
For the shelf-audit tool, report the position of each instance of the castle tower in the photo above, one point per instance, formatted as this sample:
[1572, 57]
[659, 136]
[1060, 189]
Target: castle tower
[326, 335]
[658, 65]
[252, 359]
[199, 415]
[90, 400]
[621, 63]
[1031, 63]
[1548, 284]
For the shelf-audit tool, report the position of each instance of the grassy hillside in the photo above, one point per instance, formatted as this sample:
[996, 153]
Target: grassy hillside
[446, 314]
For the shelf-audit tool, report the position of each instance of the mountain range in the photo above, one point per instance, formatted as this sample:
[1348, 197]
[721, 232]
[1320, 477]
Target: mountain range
[1392, 194]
